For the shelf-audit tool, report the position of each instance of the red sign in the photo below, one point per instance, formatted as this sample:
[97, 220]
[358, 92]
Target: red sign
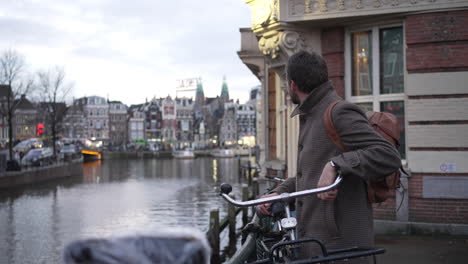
[39, 129]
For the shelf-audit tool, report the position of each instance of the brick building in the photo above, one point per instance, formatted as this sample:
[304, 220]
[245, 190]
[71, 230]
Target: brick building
[153, 122]
[405, 57]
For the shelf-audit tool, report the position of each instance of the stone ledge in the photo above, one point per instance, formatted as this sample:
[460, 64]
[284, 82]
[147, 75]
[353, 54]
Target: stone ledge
[385, 227]
[41, 174]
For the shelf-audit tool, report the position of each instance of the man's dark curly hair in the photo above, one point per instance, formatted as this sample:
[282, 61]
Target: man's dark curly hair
[307, 70]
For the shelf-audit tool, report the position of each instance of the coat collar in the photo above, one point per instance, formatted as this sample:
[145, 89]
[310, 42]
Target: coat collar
[313, 99]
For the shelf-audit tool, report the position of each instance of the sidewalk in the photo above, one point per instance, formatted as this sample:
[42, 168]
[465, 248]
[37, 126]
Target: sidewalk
[419, 250]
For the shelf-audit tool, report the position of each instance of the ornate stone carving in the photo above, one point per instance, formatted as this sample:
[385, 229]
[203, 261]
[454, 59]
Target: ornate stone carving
[275, 10]
[323, 5]
[288, 42]
[299, 7]
[341, 5]
[270, 45]
[293, 41]
[307, 7]
[358, 4]
[316, 10]
[264, 12]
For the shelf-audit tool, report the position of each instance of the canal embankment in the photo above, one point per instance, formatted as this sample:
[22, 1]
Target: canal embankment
[41, 174]
[109, 155]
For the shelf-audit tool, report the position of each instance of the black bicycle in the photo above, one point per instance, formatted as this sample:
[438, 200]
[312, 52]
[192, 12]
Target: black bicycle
[272, 239]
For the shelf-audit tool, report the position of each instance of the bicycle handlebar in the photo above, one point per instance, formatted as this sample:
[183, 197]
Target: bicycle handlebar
[226, 189]
[275, 179]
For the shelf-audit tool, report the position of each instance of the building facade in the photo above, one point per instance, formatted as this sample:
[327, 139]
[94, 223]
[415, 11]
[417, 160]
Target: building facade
[96, 114]
[245, 117]
[169, 123]
[200, 135]
[117, 123]
[409, 58]
[185, 120]
[25, 119]
[5, 92]
[136, 124]
[228, 126]
[153, 123]
[256, 101]
[201, 139]
[74, 122]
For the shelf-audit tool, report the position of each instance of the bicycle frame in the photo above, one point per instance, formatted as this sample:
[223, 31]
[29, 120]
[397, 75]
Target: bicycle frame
[289, 224]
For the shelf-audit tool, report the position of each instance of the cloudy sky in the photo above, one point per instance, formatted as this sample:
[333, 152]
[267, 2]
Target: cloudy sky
[131, 50]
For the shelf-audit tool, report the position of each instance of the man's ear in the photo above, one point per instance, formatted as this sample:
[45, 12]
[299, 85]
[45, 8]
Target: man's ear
[294, 87]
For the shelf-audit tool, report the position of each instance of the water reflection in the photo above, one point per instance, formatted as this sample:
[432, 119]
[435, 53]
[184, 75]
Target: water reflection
[110, 198]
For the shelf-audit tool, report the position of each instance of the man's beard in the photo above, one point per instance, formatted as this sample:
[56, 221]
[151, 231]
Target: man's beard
[295, 99]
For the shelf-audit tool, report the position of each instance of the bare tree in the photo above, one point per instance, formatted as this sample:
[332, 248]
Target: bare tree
[53, 89]
[15, 82]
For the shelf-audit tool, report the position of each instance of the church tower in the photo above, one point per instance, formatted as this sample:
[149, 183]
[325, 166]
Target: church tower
[224, 91]
[199, 99]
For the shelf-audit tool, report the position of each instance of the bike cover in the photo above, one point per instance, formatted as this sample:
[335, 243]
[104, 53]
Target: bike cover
[178, 247]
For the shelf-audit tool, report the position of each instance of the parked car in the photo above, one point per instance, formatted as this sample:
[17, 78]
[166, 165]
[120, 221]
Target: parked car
[38, 157]
[27, 144]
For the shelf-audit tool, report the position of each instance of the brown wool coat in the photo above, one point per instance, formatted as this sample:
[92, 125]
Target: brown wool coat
[346, 221]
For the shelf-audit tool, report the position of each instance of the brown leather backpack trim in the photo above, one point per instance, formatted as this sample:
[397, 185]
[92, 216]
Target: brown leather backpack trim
[331, 130]
[377, 191]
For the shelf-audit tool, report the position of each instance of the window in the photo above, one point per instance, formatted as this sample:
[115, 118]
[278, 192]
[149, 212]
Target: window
[375, 72]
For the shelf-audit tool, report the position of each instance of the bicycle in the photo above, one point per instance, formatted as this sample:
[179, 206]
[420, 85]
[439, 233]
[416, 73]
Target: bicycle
[286, 249]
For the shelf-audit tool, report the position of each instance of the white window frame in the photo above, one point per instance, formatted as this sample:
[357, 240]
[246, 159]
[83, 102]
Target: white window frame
[376, 98]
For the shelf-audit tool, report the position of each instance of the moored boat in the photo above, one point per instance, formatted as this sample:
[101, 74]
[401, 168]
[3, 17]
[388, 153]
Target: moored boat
[183, 154]
[222, 153]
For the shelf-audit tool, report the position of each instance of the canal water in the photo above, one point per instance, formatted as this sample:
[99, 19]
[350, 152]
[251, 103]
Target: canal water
[112, 197]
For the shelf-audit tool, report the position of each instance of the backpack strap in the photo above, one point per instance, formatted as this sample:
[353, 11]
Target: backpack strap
[331, 130]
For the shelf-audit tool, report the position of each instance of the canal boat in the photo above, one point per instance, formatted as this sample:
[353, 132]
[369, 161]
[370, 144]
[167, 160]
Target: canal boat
[183, 154]
[91, 155]
[223, 153]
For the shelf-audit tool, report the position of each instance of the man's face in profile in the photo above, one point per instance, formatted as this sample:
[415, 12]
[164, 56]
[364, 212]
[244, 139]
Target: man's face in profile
[292, 88]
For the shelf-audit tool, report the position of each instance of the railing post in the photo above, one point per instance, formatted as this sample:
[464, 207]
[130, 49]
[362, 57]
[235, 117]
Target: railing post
[255, 188]
[245, 211]
[249, 173]
[232, 219]
[214, 236]
[239, 166]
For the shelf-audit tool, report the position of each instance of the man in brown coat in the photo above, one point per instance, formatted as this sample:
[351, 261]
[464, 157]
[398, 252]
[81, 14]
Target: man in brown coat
[340, 218]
